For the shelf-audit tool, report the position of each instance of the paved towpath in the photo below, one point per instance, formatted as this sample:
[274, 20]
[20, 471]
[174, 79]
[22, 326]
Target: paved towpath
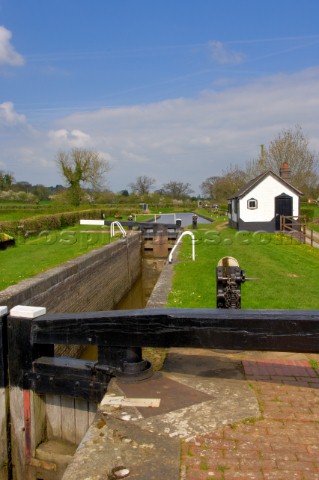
[222, 416]
[315, 238]
[282, 444]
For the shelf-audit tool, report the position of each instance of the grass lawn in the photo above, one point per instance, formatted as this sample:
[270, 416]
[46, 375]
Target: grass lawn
[14, 212]
[35, 255]
[287, 271]
[14, 215]
[47, 250]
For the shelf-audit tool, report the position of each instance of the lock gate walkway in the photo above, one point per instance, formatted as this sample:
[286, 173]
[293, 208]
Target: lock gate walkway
[223, 415]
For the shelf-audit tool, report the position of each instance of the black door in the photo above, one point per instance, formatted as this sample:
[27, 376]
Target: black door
[283, 206]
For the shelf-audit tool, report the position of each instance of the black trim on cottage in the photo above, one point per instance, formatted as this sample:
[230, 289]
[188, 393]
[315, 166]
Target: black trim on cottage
[280, 204]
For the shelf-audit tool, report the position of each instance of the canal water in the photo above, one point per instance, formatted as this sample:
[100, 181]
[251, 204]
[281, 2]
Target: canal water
[152, 267]
[137, 297]
[186, 218]
[141, 291]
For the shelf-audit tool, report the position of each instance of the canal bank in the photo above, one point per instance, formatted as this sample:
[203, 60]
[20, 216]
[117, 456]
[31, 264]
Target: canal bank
[53, 413]
[56, 422]
[198, 391]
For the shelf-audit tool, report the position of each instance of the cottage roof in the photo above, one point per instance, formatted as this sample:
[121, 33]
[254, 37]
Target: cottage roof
[255, 181]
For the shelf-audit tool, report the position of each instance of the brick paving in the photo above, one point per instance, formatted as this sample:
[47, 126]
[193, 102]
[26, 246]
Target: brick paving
[282, 444]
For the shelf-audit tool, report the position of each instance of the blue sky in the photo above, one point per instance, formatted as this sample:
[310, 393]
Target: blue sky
[171, 89]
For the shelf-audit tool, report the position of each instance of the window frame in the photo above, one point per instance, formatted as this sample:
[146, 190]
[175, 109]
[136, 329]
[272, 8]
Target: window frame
[255, 204]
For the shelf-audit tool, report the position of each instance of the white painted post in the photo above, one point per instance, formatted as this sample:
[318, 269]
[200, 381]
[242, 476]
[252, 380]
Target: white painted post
[91, 222]
[4, 400]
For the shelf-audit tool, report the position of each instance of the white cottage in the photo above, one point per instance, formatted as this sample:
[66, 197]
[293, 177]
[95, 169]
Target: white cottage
[259, 204]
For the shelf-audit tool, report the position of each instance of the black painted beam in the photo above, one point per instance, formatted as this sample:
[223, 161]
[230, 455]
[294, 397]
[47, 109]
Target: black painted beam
[147, 225]
[22, 351]
[68, 376]
[3, 353]
[273, 330]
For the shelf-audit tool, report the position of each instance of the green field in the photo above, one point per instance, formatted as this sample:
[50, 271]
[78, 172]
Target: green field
[14, 212]
[47, 250]
[286, 272]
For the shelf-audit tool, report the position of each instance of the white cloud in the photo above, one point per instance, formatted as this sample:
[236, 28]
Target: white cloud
[179, 139]
[8, 55]
[222, 55]
[64, 138]
[191, 139]
[8, 116]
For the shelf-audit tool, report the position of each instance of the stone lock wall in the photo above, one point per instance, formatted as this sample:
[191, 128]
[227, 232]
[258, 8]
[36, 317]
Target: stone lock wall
[95, 281]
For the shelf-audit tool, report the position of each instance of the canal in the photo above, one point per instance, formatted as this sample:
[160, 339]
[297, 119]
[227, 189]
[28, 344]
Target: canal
[141, 291]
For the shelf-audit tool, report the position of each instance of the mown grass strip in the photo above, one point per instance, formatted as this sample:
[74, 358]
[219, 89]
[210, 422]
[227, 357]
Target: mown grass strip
[286, 271]
[47, 250]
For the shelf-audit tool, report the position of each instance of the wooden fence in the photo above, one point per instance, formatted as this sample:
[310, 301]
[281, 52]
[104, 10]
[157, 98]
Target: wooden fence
[296, 226]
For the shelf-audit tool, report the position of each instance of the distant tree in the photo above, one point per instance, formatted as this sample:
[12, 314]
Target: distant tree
[23, 187]
[142, 185]
[290, 146]
[6, 180]
[41, 192]
[209, 187]
[178, 190]
[80, 168]
[104, 197]
[221, 188]
[124, 193]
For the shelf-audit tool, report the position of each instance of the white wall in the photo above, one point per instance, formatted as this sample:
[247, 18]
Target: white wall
[265, 193]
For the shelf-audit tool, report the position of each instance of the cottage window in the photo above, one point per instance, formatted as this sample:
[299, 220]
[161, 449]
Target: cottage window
[252, 204]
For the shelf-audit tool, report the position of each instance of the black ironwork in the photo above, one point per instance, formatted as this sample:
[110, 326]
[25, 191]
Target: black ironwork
[229, 278]
[194, 221]
[68, 376]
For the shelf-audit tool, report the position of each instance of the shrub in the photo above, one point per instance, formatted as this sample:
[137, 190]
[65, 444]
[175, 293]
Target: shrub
[308, 212]
[55, 221]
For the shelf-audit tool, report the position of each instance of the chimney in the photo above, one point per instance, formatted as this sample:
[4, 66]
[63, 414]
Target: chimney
[284, 172]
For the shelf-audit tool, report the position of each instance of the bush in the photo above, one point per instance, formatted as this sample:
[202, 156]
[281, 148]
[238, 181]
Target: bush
[23, 197]
[55, 221]
[35, 225]
[308, 212]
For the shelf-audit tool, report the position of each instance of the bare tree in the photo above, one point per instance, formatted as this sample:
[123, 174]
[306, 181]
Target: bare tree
[290, 146]
[223, 187]
[176, 189]
[142, 185]
[6, 180]
[209, 187]
[80, 168]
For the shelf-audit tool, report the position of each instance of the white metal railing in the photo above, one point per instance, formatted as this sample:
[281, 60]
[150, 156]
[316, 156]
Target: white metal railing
[112, 229]
[178, 240]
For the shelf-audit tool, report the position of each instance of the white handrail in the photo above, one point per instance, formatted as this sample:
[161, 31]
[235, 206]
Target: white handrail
[178, 240]
[120, 228]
